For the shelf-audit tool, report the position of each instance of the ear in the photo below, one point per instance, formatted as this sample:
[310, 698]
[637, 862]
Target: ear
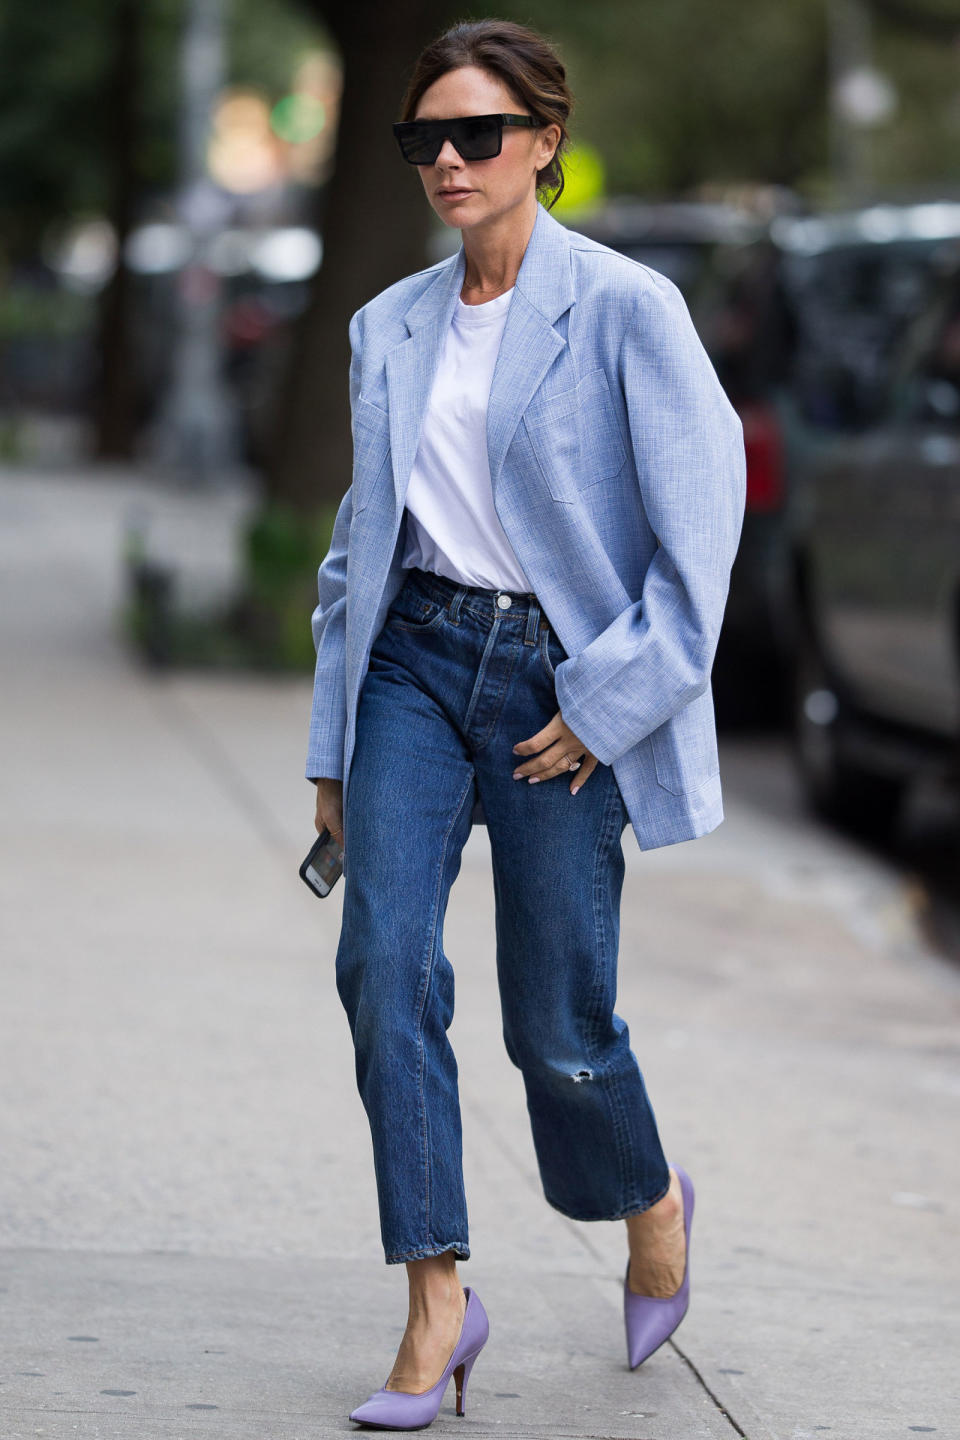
[549, 139]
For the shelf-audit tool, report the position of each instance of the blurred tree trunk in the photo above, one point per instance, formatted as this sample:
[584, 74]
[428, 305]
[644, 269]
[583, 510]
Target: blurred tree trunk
[374, 219]
[935, 24]
[114, 402]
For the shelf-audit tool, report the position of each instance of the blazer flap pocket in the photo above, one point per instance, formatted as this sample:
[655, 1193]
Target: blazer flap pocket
[371, 450]
[589, 389]
[367, 416]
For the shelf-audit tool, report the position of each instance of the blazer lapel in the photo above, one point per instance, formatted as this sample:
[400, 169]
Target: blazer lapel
[411, 366]
[530, 344]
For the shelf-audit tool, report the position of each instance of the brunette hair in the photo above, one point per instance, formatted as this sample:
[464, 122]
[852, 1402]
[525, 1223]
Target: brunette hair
[526, 63]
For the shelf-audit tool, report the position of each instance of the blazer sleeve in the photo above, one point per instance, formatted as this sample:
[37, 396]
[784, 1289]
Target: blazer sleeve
[328, 718]
[687, 444]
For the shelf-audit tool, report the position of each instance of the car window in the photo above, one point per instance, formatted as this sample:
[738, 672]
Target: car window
[853, 306]
[926, 384]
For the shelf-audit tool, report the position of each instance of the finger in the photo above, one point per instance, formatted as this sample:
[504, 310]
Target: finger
[543, 737]
[538, 767]
[589, 765]
[564, 745]
[555, 761]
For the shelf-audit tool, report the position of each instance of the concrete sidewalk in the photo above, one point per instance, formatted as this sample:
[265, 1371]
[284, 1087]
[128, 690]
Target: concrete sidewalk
[188, 1231]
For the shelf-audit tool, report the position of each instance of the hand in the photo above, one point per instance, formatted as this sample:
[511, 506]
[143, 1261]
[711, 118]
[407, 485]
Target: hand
[562, 746]
[330, 807]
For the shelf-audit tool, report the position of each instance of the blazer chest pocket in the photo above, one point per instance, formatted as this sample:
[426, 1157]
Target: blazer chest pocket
[371, 449]
[576, 437]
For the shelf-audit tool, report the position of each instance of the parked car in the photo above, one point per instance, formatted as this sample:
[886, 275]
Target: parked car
[876, 559]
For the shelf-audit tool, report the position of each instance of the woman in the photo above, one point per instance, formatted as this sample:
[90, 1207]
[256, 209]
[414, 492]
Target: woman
[526, 579]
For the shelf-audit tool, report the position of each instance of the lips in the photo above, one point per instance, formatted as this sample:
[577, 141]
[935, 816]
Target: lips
[453, 194]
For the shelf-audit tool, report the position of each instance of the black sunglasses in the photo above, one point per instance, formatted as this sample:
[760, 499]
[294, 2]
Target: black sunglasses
[474, 137]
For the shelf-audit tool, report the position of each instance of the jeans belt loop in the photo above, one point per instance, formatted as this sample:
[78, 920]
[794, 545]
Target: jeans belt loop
[533, 619]
[453, 604]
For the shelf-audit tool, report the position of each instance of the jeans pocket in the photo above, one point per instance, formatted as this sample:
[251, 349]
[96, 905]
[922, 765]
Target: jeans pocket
[551, 651]
[414, 611]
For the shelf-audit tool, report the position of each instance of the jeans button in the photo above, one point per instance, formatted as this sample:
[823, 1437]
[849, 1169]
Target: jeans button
[504, 602]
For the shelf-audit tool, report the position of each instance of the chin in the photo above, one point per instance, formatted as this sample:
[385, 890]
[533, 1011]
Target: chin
[469, 222]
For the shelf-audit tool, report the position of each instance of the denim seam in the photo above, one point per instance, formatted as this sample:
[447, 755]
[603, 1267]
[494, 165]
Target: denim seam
[620, 1214]
[611, 1087]
[418, 626]
[396, 1257]
[424, 992]
[498, 701]
[488, 649]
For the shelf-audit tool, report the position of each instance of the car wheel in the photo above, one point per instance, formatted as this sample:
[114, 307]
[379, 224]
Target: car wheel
[837, 786]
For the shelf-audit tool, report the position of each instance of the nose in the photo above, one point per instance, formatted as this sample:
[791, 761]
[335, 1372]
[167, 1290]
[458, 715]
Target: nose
[448, 155]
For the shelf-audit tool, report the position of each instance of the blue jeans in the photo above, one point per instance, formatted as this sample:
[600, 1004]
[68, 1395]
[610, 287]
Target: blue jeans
[454, 681]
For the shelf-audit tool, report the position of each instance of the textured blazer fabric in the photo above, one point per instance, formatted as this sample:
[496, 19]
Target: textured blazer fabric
[619, 477]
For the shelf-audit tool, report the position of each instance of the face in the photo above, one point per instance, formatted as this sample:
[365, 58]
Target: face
[471, 192]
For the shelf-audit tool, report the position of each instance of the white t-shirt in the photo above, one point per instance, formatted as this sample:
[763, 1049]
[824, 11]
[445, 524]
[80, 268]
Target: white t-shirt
[452, 526]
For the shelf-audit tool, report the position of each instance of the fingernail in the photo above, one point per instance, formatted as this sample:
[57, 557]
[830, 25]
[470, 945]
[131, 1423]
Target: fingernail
[575, 789]
[517, 775]
[534, 779]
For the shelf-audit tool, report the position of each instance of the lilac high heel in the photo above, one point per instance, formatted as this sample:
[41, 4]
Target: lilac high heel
[649, 1319]
[401, 1410]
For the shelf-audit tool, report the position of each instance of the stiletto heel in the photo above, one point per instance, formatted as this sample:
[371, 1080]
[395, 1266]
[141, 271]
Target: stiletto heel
[461, 1375]
[649, 1319]
[401, 1410]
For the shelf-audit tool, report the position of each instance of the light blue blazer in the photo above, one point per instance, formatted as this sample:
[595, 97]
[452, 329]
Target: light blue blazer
[619, 477]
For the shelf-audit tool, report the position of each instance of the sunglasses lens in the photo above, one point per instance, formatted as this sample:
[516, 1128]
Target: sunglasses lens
[418, 143]
[476, 137]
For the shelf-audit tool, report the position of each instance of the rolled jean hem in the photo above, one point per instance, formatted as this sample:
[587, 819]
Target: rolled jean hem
[399, 1256]
[622, 1214]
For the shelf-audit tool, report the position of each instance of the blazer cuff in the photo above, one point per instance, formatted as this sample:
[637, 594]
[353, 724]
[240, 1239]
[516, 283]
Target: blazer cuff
[325, 756]
[581, 722]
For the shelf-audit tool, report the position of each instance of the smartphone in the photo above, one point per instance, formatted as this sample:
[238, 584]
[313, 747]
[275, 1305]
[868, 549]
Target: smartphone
[324, 865]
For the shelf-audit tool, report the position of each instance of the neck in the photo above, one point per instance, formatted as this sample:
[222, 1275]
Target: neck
[494, 251]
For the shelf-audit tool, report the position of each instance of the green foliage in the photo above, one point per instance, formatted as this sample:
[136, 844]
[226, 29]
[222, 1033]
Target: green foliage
[265, 43]
[267, 627]
[675, 92]
[670, 92]
[25, 310]
[282, 546]
[52, 61]
[918, 144]
[55, 122]
[283, 552]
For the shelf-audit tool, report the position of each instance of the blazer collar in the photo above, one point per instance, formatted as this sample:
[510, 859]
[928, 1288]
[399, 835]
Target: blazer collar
[544, 289]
